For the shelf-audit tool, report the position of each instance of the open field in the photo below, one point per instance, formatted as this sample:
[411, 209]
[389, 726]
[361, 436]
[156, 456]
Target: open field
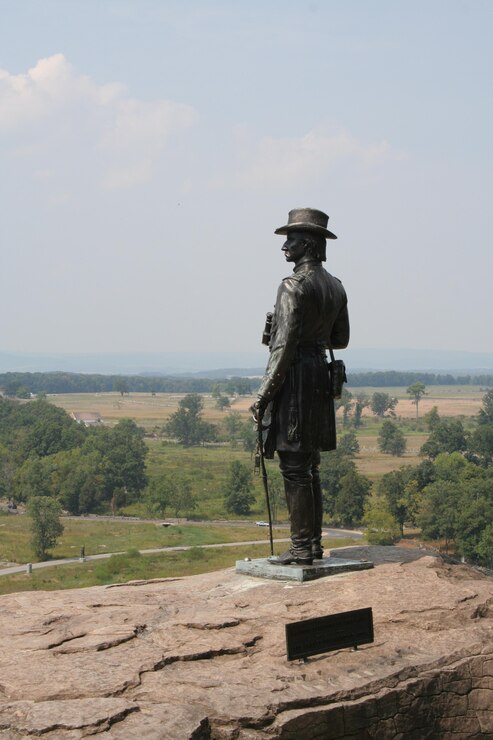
[132, 566]
[150, 411]
[374, 463]
[147, 410]
[451, 400]
[107, 535]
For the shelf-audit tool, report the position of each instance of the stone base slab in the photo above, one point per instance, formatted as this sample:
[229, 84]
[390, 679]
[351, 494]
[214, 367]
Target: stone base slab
[261, 568]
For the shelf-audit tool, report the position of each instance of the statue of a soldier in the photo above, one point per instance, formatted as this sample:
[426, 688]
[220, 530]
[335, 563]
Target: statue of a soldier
[310, 316]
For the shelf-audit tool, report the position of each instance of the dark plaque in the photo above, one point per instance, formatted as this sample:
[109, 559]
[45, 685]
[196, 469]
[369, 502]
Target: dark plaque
[333, 632]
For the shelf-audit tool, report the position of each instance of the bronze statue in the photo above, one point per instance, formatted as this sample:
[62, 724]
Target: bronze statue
[310, 316]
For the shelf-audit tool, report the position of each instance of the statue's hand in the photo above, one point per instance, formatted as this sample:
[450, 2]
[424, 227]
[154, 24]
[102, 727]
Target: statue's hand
[258, 409]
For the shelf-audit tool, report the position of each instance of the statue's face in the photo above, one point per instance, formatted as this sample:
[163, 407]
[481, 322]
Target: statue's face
[294, 247]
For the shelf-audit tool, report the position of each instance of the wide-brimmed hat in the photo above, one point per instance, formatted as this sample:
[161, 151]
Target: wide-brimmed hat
[307, 219]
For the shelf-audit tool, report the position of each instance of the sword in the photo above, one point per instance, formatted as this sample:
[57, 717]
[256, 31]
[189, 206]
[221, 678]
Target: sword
[260, 466]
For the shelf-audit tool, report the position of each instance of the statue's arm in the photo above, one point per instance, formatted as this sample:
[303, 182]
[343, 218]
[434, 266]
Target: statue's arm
[339, 336]
[286, 338]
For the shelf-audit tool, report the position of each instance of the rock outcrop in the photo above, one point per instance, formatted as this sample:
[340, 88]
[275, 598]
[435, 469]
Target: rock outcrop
[205, 657]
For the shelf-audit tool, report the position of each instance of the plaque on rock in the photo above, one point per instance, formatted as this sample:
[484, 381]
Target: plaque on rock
[333, 632]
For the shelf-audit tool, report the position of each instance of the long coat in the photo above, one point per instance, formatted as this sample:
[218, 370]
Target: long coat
[310, 315]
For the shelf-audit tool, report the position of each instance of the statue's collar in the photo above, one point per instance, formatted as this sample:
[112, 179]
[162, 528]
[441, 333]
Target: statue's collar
[306, 262]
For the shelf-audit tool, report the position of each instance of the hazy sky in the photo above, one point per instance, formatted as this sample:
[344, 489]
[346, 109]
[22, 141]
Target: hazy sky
[149, 148]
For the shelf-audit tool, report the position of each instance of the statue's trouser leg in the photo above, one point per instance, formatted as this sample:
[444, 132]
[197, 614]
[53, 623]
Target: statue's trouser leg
[296, 469]
[318, 511]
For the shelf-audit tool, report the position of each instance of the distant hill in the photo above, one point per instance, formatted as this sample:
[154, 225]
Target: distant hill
[223, 364]
[130, 363]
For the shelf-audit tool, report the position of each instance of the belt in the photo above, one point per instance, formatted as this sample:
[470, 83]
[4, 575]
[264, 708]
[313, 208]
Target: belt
[310, 349]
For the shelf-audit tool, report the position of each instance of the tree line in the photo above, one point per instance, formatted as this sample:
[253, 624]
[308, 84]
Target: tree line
[396, 378]
[22, 385]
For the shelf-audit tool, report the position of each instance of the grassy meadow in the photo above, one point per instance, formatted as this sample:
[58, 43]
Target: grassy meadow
[132, 566]
[116, 535]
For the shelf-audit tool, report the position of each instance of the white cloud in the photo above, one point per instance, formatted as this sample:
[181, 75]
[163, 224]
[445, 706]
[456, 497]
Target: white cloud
[285, 162]
[64, 117]
[139, 132]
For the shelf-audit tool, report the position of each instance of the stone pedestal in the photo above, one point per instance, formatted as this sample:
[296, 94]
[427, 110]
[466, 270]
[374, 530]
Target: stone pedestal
[261, 568]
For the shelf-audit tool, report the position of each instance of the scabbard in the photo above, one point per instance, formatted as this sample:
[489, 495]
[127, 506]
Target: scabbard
[260, 448]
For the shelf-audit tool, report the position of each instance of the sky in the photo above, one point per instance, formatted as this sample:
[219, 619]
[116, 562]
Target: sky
[150, 148]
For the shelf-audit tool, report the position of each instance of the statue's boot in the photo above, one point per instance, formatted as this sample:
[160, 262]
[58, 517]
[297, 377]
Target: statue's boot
[299, 498]
[318, 513]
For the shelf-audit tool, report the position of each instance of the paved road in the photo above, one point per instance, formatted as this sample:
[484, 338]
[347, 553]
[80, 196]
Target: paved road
[335, 533]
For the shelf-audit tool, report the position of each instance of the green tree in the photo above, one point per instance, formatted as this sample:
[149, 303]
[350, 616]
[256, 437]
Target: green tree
[182, 500]
[241, 386]
[121, 386]
[32, 479]
[416, 391]
[432, 418]
[481, 443]
[124, 452]
[485, 546]
[223, 403]
[238, 495]
[348, 444]
[158, 495]
[423, 474]
[216, 391]
[78, 480]
[187, 425]
[447, 436]
[452, 467]
[42, 429]
[474, 515]
[382, 526]
[344, 490]
[249, 437]
[46, 526]
[170, 492]
[392, 489]
[232, 422]
[361, 402]
[458, 505]
[382, 402]
[333, 467]
[10, 387]
[345, 402]
[486, 413]
[350, 504]
[233, 427]
[391, 440]
[438, 517]
[7, 472]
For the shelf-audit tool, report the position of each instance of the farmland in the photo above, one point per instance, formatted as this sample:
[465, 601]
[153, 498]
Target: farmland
[152, 412]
